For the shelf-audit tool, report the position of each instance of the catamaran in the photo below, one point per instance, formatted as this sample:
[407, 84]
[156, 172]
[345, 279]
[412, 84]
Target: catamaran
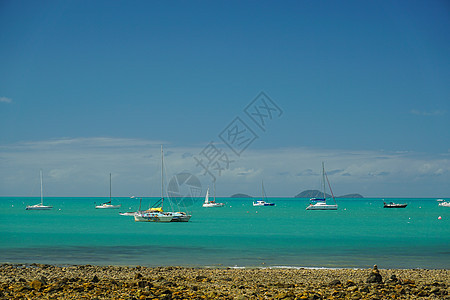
[212, 203]
[321, 203]
[157, 214]
[41, 205]
[263, 202]
[108, 204]
[443, 203]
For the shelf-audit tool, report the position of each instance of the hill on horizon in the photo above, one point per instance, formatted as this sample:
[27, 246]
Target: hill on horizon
[319, 194]
[240, 196]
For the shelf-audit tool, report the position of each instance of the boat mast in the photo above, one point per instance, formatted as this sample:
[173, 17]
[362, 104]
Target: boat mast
[214, 190]
[262, 190]
[323, 181]
[109, 187]
[42, 197]
[162, 177]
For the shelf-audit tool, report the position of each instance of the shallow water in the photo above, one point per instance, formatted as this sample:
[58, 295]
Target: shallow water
[360, 234]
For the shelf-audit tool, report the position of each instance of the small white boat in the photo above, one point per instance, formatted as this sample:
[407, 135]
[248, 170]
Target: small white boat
[443, 203]
[41, 205]
[212, 203]
[108, 205]
[321, 203]
[129, 213]
[263, 202]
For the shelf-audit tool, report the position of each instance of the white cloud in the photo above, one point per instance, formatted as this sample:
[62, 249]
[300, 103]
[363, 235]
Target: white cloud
[81, 167]
[5, 100]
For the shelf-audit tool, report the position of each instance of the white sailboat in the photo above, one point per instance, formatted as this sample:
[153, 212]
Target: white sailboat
[157, 214]
[108, 204]
[263, 201]
[41, 205]
[212, 203]
[321, 203]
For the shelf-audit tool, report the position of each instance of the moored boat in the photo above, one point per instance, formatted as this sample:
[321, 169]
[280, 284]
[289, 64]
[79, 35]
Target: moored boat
[394, 205]
[212, 203]
[263, 201]
[443, 203]
[321, 203]
[39, 206]
[108, 205]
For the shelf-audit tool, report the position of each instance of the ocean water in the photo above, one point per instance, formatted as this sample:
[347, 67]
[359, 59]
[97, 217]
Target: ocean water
[358, 235]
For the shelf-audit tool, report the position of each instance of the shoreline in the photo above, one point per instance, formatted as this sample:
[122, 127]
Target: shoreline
[42, 281]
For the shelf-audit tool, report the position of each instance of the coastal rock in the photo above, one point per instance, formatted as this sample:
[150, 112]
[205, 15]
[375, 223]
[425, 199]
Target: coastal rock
[335, 282]
[375, 276]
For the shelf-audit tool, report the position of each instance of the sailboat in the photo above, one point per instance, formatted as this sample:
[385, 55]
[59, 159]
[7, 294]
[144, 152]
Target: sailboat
[108, 204]
[262, 202]
[41, 205]
[321, 203]
[157, 214]
[212, 203]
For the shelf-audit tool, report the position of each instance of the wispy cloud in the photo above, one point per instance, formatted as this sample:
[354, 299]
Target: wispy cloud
[436, 112]
[80, 167]
[5, 100]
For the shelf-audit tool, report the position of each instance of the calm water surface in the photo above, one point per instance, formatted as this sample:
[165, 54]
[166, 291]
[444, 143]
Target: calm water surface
[360, 234]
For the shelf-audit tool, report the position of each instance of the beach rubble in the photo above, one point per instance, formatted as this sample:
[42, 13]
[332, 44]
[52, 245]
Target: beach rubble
[37, 281]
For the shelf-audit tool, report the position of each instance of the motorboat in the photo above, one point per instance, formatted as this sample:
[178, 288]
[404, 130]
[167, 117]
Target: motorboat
[394, 205]
[443, 203]
[262, 203]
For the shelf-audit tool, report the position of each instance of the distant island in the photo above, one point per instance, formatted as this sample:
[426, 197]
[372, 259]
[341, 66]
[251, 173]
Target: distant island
[305, 194]
[317, 193]
[241, 196]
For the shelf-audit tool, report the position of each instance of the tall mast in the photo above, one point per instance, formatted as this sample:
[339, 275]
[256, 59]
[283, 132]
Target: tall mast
[109, 187]
[323, 180]
[162, 176]
[42, 197]
[214, 190]
[262, 190]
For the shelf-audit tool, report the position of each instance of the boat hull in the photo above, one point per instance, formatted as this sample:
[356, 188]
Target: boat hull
[180, 217]
[153, 217]
[394, 205]
[108, 206]
[322, 207]
[39, 207]
[262, 203]
[213, 204]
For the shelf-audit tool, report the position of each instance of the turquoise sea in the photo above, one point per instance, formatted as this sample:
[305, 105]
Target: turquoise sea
[360, 234]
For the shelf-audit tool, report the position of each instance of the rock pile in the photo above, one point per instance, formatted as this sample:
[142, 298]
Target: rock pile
[115, 282]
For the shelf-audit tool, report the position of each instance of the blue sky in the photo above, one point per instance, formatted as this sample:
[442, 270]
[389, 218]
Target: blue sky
[93, 87]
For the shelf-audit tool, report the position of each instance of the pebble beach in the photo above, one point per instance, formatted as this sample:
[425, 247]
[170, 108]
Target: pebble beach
[37, 281]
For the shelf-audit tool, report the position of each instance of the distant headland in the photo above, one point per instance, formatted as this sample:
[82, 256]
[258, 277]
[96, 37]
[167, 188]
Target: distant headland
[306, 194]
[241, 196]
[317, 193]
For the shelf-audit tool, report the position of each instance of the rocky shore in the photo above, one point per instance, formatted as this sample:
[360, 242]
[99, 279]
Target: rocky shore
[37, 281]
